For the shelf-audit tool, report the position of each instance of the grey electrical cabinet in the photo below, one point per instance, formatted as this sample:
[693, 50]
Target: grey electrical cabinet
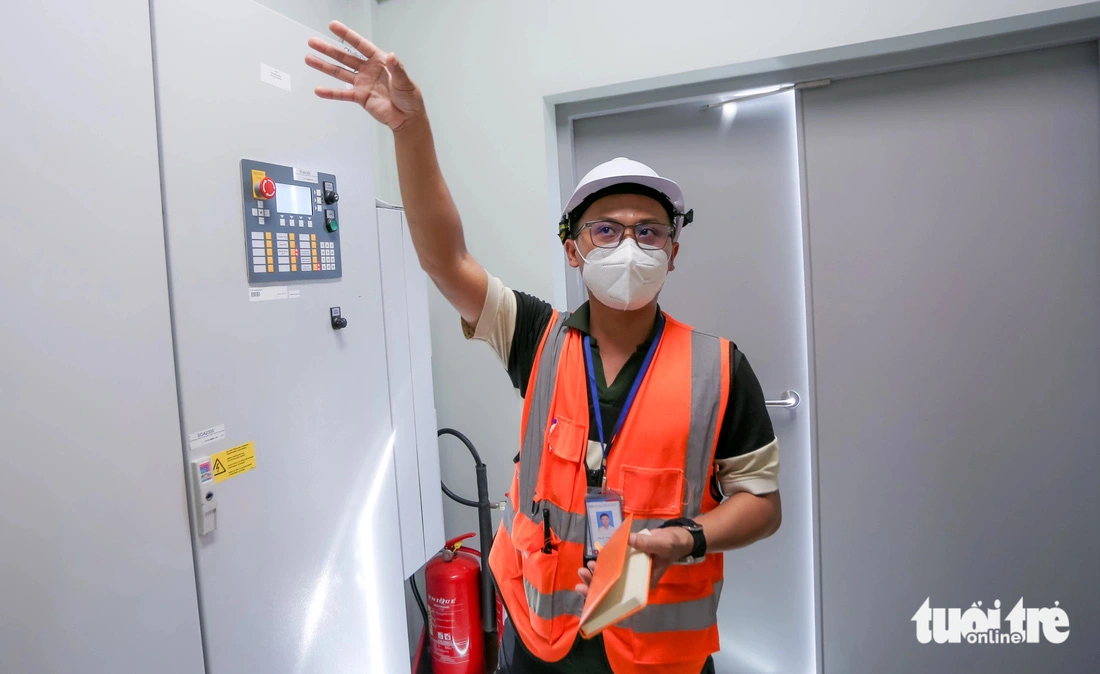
[285, 386]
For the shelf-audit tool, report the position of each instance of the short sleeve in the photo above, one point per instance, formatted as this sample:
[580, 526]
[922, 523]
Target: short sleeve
[497, 322]
[747, 455]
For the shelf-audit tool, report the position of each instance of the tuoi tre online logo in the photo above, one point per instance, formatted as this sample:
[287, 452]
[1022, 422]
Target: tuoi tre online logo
[978, 626]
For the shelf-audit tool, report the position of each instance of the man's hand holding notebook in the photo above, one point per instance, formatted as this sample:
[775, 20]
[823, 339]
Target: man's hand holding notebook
[619, 585]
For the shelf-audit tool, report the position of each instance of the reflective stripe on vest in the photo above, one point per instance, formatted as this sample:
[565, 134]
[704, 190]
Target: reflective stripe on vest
[540, 391]
[549, 606]
[706, 386]
[509, 515]
[560, 521]
[698, 614]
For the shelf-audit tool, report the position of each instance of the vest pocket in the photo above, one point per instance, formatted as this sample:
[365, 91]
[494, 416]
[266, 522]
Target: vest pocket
[653, 492]
[540, 575]
[562, 458]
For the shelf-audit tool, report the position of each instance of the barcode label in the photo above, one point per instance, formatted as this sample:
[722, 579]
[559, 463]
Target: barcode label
[268, 293]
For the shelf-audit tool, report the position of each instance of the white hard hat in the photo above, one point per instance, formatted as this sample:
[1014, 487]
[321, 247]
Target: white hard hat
[620, 171]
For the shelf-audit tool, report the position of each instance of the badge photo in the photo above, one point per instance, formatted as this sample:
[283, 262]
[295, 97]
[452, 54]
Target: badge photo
[605, 514]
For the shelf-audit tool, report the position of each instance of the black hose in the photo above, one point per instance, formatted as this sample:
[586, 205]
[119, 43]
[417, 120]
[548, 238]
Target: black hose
[425, 647]
[419, 600]
[485, 529]
[458, 499]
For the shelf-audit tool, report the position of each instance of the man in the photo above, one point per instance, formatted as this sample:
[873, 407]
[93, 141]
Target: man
[605, 521]
[624, 406]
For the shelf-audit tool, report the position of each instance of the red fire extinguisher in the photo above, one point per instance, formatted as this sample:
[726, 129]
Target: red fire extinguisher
[455, 634]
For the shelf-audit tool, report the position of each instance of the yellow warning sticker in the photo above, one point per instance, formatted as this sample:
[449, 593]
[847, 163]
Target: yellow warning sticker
[234, 461]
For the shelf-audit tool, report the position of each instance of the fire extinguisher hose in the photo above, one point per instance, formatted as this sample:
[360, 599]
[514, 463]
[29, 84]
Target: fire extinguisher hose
[485, 528]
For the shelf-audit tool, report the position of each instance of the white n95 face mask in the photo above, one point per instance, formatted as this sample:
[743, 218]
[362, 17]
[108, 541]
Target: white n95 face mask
[626, 277]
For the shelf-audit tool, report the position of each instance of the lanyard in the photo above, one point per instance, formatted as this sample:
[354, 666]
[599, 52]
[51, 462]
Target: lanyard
[606, 446]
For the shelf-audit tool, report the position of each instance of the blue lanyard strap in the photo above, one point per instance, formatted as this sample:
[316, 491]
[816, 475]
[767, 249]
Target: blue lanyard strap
[606, 446]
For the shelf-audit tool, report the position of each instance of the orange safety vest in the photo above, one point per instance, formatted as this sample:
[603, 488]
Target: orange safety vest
[661, 464]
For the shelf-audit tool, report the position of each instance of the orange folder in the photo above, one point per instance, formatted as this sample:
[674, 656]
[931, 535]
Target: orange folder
[620, 584]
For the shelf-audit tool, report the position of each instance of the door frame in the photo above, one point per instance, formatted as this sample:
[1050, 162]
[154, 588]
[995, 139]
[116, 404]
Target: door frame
[993, 38]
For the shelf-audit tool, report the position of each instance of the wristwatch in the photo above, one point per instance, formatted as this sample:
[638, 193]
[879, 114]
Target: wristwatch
[699, 549]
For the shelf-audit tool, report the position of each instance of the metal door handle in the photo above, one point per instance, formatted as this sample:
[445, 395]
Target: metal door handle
[788, 400]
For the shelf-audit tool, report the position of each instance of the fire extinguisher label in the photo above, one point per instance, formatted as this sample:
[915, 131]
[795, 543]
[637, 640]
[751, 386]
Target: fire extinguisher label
[450, 631]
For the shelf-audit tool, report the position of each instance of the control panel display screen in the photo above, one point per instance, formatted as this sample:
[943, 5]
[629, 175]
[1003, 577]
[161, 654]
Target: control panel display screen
[293, 199]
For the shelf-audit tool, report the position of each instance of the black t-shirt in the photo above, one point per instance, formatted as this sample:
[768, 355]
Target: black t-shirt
[746, 425]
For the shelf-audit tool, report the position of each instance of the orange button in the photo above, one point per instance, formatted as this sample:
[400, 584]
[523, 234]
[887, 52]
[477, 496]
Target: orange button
[270, 267]
[316, 267]
[270, 260]
[314, 259]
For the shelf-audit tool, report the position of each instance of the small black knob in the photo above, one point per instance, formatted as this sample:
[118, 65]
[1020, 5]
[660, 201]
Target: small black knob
[338, 321]
[331, 197]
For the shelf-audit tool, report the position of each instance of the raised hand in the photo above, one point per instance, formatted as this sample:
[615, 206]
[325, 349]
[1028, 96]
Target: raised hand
[379, 83]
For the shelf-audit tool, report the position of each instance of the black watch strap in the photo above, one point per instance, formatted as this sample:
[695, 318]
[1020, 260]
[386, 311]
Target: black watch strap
[699, 549]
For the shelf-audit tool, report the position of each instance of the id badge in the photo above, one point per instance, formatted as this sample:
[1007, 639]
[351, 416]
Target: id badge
[604, 510]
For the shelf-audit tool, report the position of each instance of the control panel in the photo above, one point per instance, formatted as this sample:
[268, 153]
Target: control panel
[291, 223]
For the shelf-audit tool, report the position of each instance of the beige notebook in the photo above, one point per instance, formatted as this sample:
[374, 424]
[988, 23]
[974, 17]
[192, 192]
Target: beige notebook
[620, 585]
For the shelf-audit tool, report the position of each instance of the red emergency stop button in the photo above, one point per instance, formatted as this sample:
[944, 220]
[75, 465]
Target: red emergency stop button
[265, 188]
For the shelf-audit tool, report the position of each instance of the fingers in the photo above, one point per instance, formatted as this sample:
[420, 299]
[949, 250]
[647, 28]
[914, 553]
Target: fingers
[365, 46]
[330, 68]
[582, 590]
[336, 53]
[656, 573]
[646, 544]
[336, 94]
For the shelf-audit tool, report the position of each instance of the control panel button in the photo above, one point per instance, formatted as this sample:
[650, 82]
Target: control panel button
[265, 187]
[330, 220]
[331, 197]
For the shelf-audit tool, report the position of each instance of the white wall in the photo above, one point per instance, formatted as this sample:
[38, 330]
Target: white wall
[486, 69]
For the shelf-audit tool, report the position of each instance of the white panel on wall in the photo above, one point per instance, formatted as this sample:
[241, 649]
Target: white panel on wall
[399, 368]
[408, 352]
[420, 354]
